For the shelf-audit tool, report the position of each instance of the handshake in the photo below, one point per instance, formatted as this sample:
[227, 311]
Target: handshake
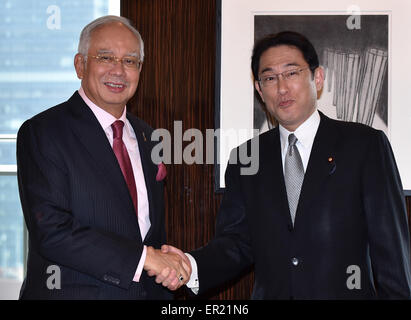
[169, 265]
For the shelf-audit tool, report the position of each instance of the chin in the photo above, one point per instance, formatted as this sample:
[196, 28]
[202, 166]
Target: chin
[288, 122]
[115, 98]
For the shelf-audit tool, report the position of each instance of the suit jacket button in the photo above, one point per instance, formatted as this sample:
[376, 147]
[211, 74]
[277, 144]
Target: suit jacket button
[290, 227]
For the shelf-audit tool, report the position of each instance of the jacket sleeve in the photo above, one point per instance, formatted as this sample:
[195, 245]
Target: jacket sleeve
[387, 223]
[54, 232]
[229, 252]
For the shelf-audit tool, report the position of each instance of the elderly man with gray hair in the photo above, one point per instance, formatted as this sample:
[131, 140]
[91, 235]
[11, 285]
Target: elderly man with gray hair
[92, 197]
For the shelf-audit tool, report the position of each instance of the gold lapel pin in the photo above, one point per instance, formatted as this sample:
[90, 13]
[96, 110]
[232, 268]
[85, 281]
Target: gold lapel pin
[330, 159]
[144, 136]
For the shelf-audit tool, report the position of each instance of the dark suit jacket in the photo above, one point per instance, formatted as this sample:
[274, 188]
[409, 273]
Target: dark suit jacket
[351, 212]
[78, 210]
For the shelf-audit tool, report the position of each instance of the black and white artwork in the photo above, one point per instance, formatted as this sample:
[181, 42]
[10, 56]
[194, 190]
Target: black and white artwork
[353, 50]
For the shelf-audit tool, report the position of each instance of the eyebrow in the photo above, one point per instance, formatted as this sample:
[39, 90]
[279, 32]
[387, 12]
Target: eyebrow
[291, 64]
[104, 51]
[130, 54]
[133, 54]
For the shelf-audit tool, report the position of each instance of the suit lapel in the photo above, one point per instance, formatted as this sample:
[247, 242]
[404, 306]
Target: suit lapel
[92, 136]
[321, 165]
[271, 163]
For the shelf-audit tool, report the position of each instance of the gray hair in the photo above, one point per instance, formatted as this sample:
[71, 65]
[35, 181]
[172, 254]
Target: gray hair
[85, 35]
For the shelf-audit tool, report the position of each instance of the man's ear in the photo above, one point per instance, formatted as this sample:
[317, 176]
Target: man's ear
[319, 78]
[258, 88]
[79, 65]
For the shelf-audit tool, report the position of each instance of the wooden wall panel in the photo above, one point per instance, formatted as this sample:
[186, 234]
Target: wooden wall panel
[177, 84]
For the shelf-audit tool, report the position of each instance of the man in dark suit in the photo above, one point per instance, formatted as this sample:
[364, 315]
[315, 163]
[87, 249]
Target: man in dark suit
[92, 197]
[324, 217]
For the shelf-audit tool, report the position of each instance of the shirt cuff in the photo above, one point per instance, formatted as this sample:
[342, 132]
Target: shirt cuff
[193, 283]
[140, 265]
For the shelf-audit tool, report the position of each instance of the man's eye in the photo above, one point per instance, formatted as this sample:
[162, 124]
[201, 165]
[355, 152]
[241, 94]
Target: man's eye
[106, 58]
[292, 73]
[130, 62]
[269, 78]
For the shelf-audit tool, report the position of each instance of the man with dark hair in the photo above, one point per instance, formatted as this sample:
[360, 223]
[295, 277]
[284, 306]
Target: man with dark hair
[324, 217]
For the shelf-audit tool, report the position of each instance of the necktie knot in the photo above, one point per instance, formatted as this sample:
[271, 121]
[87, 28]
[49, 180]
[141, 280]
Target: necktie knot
[292, 139]
[117, 127]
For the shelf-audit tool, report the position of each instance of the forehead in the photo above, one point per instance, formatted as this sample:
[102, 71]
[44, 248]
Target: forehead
[114, 36]
[280, 57]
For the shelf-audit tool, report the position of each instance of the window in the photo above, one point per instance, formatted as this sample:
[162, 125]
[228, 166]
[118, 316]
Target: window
[39, 39]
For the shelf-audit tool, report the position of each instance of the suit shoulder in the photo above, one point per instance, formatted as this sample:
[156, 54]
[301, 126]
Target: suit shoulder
[52, 117]
[58, 113]
[267, 137]
[355, 130]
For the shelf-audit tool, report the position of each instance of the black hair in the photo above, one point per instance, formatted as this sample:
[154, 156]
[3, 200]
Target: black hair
[288, 38]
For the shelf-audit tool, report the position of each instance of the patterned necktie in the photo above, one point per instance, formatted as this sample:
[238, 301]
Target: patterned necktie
[121, 153]
[293, 174]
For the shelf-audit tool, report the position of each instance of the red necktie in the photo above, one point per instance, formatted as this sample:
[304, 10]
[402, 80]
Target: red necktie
[121, 153]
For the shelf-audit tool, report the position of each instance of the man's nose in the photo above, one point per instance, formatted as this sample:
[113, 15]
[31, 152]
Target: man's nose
[117, 67]
[282, 85]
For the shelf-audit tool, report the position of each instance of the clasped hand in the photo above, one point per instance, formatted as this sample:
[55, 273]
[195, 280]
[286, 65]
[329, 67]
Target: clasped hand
[170, 266]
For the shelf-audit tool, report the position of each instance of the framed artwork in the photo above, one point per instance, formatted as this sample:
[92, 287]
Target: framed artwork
[362, 48]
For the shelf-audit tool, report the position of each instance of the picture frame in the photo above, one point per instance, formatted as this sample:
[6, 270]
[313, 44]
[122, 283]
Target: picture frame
[234, 89]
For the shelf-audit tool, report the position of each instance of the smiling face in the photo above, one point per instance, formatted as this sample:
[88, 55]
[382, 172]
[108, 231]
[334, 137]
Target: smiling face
[109, 86]
[290, 101]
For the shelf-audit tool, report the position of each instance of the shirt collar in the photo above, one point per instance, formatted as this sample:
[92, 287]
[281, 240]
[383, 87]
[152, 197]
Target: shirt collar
[305, 133]
[104, 118]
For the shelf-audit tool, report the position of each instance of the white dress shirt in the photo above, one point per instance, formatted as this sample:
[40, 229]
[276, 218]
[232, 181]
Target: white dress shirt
[305, 134]
[129, 138]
